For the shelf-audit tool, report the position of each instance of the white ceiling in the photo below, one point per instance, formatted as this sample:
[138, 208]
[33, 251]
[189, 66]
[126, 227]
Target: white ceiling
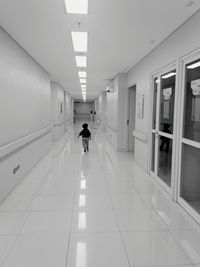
[120, 34]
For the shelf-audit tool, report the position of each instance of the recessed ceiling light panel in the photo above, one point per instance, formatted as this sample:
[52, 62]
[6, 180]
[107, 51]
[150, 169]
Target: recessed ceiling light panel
[80, 41]
[82, 74]
[81, 61]
[76, 6]
[82, 80]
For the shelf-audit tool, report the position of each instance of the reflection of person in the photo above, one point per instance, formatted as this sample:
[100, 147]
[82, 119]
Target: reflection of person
[94, 116]
[86, 135]
[74, 115]
[165, 141]
[91, 115]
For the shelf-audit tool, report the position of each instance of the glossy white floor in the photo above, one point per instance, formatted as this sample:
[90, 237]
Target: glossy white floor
[97, 209]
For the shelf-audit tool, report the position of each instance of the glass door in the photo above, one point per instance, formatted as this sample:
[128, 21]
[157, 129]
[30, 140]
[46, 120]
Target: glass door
[162, 132]
[189, 186]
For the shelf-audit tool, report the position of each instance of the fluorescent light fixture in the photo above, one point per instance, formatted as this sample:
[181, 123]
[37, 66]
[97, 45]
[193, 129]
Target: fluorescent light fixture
[76, 6]
[82, 80]
[82, 74]
[81, 61]
[169, 75]
[194, 65]
[80, 41]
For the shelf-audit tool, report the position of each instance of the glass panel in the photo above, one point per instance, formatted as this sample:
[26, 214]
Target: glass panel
[167, 96]
[191, 126]
[165, 159]
[154, 102]
[153, 153]
[190, 176]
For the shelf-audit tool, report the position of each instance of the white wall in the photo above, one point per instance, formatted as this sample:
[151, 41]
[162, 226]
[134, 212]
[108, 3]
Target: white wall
[25, 115]
[180, 43]
[116, 112]
[58, 110]
[82, 110]
[68, 111]
[102, 107]
[122, 128]
[111, 113]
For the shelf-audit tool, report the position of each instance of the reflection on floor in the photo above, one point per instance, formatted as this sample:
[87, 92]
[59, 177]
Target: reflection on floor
[97, 209]
[165, 164]
[195, 205]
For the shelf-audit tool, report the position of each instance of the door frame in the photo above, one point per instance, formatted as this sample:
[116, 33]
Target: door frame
[172, 191]
[181, 140]
[128, 111]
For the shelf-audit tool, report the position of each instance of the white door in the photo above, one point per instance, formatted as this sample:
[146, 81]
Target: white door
[162, 130]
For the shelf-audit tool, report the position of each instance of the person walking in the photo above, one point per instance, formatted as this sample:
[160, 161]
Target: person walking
[86, 135]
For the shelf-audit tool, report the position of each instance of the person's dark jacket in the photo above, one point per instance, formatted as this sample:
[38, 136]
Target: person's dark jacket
[85, 133]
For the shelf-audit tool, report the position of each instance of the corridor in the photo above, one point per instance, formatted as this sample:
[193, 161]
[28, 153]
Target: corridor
[97, 209]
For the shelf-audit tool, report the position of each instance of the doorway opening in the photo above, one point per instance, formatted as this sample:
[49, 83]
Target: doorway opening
[131, 117]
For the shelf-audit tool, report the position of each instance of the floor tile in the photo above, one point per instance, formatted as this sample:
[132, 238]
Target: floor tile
[129, 201]
[47, 222]
[92, 201]
[96, 250]
[6, 243]
[89, 185]
[189, 241]
[153, 248]
[94, 221]
[67, 188]
[38, 251]
[26, 189]
[120, 187]
[17, 203]
[143, 220]
[52, 203]
[12, 222]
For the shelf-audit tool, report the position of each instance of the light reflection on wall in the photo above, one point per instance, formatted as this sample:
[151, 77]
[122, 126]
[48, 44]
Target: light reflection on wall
[81, 254]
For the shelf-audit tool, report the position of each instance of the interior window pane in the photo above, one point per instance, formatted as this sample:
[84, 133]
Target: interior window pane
[167, 96]
[190, 176]
[165, 159]
[191, 126]
[154, 102]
